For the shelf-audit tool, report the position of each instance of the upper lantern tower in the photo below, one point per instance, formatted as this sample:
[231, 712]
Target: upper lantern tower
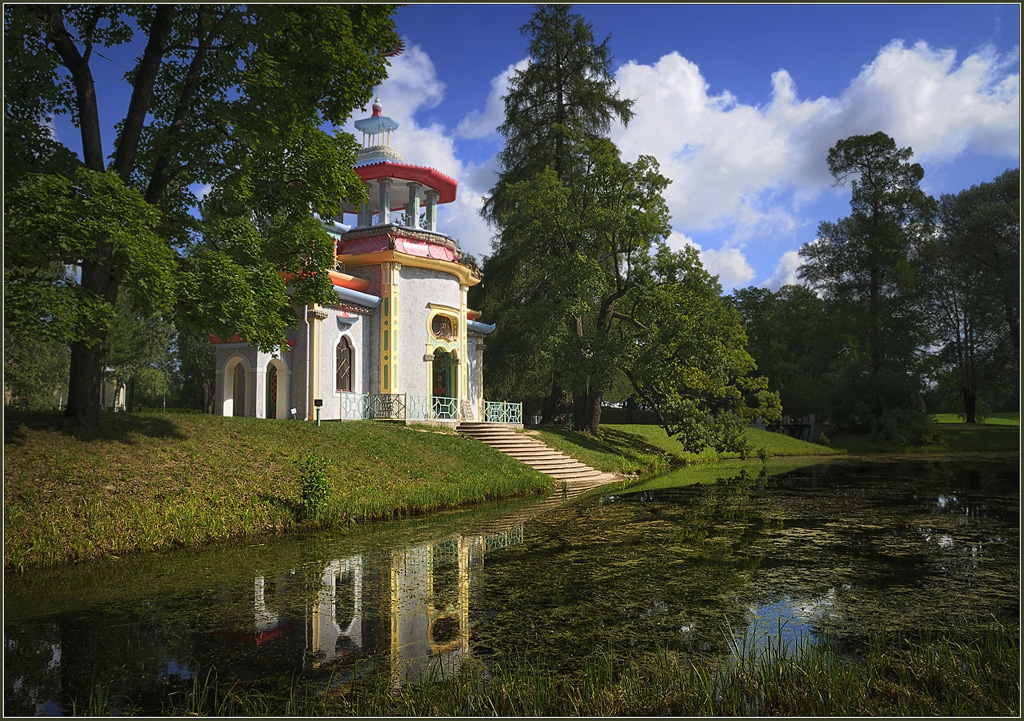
[376, 131]
[397, 193]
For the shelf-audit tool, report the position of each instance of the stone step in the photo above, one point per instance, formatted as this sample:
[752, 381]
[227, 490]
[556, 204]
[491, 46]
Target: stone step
[520, 442]
[577, 477]
[555, 464]
[586, 475]
[531, 452]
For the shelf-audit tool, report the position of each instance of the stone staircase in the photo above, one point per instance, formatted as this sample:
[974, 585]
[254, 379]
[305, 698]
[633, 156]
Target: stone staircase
[573, 477]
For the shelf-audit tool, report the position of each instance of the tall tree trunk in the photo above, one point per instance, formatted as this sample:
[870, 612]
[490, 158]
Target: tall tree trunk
[579, 410]
[874, 334]
[84, 389]
[970, 405]
[554, 407]
[593, 411]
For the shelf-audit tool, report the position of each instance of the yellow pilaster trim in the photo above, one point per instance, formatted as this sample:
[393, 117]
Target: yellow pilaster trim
[389, 327]
[463, 344]
[315, 314]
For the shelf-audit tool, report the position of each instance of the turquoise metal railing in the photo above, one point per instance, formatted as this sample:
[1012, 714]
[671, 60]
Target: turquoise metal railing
[401, 406]
[500, 412]
[388, 407]
[355, 406]
[373, 406]
[417, 408]
[445, 409]
[432, 408]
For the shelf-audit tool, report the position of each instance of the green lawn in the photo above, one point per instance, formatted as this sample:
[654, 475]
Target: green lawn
[994, 419]
[996, 435]
[645, 450]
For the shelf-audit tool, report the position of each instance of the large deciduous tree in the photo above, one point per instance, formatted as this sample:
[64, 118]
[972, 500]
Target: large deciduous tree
[867, 268]
[592, 235]
[688, 360]
[227, 97]
[580, 262]
[973, 286]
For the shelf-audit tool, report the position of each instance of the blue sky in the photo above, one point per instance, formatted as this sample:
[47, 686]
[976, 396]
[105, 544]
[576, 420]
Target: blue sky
[739, 104]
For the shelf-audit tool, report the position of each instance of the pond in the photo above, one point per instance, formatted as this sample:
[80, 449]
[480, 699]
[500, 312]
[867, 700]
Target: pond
[827, 553]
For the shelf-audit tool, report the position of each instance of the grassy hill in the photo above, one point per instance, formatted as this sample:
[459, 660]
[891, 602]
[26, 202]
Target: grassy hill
[159, 480]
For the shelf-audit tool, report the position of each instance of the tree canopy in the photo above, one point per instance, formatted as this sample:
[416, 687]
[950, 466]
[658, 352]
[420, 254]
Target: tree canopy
[972, 289]
[581, 283]
[867, 267]
[230, 98]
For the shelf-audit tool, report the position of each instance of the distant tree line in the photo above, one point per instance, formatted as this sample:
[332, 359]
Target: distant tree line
[910, 306]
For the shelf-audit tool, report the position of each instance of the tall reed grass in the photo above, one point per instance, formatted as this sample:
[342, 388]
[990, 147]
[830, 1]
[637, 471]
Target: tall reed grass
[891, 675]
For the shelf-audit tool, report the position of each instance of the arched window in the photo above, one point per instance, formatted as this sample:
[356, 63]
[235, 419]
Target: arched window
[272, 392]
[343, 366]
[238, 391]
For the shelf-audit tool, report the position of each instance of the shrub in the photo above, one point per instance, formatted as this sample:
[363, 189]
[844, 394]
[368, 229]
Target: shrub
[316, 490]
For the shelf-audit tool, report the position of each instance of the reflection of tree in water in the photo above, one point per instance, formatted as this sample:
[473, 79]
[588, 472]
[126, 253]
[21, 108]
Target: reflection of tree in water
[32, 671]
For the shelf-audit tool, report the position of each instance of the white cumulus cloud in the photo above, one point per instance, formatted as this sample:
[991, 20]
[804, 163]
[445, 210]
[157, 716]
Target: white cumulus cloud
[480, 124]
[785, 271]
[741, 173]
[730, 265]
[745, 166]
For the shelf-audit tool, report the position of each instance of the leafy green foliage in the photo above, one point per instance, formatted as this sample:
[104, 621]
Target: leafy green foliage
[228, 97]
[867, 267]
[793, 342]
[35, 372]
[973, 261]
[193, 372]
[574, 275]
[315, 486]
[689, 362]
[53, 221]
[567, 91]
[564, 96]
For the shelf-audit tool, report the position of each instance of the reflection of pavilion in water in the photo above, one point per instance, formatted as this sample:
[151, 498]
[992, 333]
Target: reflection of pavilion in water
[408, 608]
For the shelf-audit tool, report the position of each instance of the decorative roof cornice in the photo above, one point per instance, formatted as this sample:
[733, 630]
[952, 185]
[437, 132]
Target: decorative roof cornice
[352, 308]
[392, 232]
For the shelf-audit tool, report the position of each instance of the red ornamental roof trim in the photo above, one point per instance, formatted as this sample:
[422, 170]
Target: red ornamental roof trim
[238, 339]
[444, 184]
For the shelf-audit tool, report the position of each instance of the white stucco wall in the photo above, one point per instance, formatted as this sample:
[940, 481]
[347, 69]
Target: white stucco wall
[256, 365]
[229, 355]
[473, 372]
[361, 334]
[418, 288]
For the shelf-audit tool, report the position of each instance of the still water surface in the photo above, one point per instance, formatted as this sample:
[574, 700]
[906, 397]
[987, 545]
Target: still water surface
[828, 553]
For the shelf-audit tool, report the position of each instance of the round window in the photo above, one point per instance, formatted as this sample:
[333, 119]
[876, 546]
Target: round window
[443, 327]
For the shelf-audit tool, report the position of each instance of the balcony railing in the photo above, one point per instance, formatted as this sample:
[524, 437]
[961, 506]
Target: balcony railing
[407, 407]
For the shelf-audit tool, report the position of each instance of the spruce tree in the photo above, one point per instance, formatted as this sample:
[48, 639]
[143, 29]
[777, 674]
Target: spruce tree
[566, 95]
